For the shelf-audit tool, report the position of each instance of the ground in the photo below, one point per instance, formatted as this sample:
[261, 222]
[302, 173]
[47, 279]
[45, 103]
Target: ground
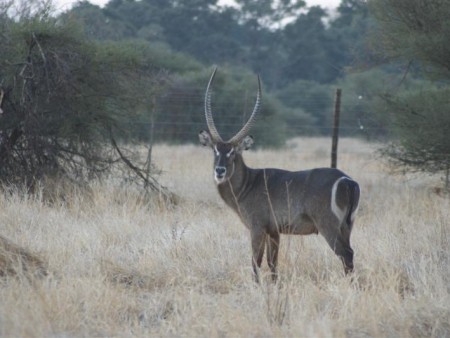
[123, 265]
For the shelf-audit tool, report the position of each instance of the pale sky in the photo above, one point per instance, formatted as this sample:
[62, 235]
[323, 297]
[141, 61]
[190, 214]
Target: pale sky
[66, 4]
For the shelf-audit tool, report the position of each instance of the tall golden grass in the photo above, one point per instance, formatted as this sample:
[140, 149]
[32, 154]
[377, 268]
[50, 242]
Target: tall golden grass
[117, 264]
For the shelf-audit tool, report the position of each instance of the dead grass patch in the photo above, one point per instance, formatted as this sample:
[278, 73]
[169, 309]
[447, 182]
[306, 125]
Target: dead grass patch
[17, 261]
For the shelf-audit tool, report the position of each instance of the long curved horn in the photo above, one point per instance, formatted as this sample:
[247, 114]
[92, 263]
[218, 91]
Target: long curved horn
[246, 128]
[208, 112]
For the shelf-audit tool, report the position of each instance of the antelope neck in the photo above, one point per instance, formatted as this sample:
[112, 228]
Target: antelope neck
[234, 188]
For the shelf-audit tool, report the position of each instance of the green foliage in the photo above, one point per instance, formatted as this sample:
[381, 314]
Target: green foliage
[96, 23]
[421, 121]
[254, 35]
[65, 97]
[268, 13]
[362, 102]
[299, 57]
[347, 33]
[413, 30]
[306, 50]
[180, 111]
[145, 63]
[233, 101]
[311, 100]
[416, 32]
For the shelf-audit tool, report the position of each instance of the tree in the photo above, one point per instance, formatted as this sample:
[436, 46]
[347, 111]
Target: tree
[305, 42]
[295, 49]
[312, 99]
[268, 13]
[413, 31]
[347, 33]
[180, 110]
[362, 102]
[422, 124]
[65, 100]
[416, 32]
[96, 24]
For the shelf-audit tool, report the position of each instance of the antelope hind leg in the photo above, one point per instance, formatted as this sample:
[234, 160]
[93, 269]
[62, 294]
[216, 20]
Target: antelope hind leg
[340, 244]
[343, 250]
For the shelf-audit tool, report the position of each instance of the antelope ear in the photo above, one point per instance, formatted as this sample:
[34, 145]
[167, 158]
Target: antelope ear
[245, 144]
[205, 138]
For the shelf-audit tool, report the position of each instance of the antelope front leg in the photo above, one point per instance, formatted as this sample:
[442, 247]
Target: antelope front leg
[258, 239]
[273, 243]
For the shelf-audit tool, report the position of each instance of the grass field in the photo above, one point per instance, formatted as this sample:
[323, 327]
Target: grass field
[111, 263]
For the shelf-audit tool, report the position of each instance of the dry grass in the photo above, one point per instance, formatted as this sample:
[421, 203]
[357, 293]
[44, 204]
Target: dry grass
[119, 265]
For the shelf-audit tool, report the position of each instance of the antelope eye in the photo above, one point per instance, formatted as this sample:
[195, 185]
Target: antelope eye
[231, 152]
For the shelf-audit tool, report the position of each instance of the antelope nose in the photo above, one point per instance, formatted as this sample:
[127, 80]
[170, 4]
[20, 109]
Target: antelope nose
[220, 171]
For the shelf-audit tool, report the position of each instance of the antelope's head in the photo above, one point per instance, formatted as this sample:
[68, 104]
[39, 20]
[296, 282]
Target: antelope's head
[225, 152]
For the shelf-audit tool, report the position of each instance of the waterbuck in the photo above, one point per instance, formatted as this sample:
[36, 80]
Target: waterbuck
[271, 202]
